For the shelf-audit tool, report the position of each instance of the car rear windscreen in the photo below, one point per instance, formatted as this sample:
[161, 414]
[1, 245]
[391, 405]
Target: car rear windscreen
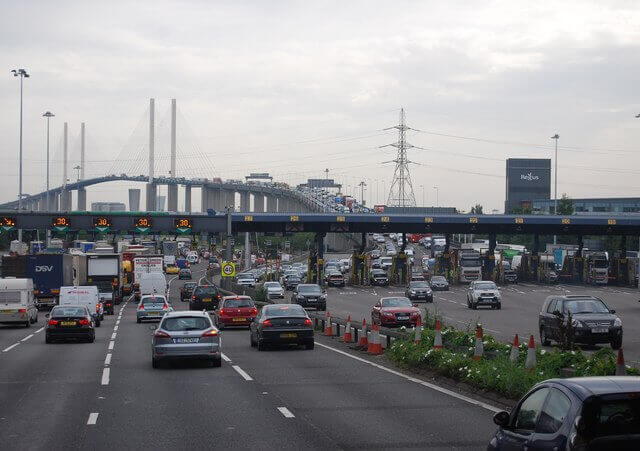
[10, 297]
[68, 311]
[186, 323]
[205, 291]
[284, 310]
[238, 303]
[152, 300]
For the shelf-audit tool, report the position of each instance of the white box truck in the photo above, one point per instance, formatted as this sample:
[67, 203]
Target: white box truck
[83, 296]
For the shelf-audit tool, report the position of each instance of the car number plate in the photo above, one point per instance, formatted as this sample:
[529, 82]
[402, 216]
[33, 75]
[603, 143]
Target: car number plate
[403, 318]
[600, 330]
[206, 300]
[239, 319]
[8, 311]
[67, 323]
[186, 340]
[288, 335]
[153, 313]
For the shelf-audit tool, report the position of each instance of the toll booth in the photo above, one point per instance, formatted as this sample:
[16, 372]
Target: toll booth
[400, 269]
[359, 269]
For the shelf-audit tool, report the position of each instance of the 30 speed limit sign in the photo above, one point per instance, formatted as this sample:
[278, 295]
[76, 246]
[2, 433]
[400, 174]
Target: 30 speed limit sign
[228, 269]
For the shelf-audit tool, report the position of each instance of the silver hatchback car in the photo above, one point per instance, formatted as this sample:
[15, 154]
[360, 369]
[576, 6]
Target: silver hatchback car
[186, 335]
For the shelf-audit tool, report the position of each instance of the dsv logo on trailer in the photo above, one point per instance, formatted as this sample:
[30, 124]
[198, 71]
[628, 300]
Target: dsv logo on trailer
[44, 268]
[530, 177]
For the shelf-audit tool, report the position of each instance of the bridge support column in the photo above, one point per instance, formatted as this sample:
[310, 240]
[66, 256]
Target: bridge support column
[230, 199]
[272, 204]
[65, 200]
[214, 199]
[134, 199]
[187, 198]
[172, 197]
[204, 199]
[151, 196]
[55, 201]
[258, 203]
[82, 199]
[245, 201]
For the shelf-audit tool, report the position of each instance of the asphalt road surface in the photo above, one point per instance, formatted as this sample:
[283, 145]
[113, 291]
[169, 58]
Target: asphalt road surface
[105, 395]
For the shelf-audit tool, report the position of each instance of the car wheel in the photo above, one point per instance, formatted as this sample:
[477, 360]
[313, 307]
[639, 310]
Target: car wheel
[155, 363]
[216, 363]
[138, 320]
[544, 339]
[616, 344]
[91, 339]
[27, 323]
[48, 339]
[253, 343]
[499, 306]
[98, 323]
[309, 346]
[474, 306]
[261, 346]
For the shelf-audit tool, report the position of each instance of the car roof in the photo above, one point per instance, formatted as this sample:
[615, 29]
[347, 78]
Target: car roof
[585, 387]
[226, 298]
[187, 313]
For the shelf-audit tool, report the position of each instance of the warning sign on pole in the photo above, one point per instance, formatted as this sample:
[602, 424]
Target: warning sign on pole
[228, 269]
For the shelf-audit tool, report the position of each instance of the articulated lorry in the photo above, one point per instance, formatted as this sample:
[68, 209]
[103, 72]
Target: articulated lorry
[144, 264]
[49, 272]
[105, 272]
[469, 265]
[596, 268]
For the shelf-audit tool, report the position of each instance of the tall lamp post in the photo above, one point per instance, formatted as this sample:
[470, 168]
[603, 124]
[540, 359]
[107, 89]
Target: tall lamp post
[437, 196]
[48, 115]
[77, 168]
[22, 73]
[556, 137]
[362, 185]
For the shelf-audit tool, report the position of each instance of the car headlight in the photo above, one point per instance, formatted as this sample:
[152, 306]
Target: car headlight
[412, 292]
[576, 323]
[617, 323]
[498, 296]
[324, 296]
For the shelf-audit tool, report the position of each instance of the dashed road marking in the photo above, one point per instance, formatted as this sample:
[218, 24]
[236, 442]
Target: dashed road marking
[39, 330]
[115, 328]
[114, 335]
[286, 412]
[27, 337]
[107, 359]
[242, 373]
[225, 358]
[111, 345]
[105, 376]
[10, 347]
[93, 418]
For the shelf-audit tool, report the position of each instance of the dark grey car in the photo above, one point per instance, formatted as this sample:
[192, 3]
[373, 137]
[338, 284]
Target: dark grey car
[186, 335]
[591, 319]
[439, 283]
[309, 295]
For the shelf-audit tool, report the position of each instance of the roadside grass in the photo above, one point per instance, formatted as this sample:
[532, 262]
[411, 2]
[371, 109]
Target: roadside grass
[495, 372]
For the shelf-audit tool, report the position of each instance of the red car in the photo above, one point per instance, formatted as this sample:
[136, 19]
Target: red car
[395, 311]
[235, 311]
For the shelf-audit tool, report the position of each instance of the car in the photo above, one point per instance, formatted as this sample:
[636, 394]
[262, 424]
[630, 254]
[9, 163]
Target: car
[235, 311]
[152, 307]
[273, 290]
[17, 302]
[292, 281]
[288, 273]
[246, 279]
[205, 297]
[395, 311]
[69, 322]
[417, 277]
[418, 290]
[335, 279]
[172, 269]
[593, 321]
[378, 277]
[185, 273]
[186, 335]
[439, 283]
[483, 292]
[279, 324]
[578, 413]
[186, 290]
[375, 254]
[386, 262]
[310, 295]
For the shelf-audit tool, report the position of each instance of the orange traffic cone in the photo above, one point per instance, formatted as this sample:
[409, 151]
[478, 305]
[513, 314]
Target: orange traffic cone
[362, 340]
[621, 369]
[437, 340]
[530, 363]
[347, 331]
[328, 330]
[375, 346]
[515, 351]
[418, 332]
[479, 351]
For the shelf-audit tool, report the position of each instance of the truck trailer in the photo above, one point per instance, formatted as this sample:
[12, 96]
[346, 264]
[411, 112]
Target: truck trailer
[105, 272]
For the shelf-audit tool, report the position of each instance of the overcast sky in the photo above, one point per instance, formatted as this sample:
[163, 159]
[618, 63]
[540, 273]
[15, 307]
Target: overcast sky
[294, 87]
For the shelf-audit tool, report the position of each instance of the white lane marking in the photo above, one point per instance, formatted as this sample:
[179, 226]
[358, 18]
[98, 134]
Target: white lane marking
[10, 347]
[111, 345]
[242, 373]
[225, 358]
[27, 337]
[107, 359]
[105, 376]
[93, 418]
[115, 328]
[417, 381]
[286, 412]
[39, 330]
[114, 335]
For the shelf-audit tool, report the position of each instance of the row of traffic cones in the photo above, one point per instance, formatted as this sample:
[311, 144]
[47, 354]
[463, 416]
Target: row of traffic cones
[373, 345]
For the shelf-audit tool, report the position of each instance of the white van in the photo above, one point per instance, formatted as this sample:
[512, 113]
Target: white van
[153, 283]
[192, 257]
[17, 304]
[87, 296]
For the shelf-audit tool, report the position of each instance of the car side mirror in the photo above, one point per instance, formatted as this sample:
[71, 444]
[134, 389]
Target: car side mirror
[153, 327]
[47, 315]
[612, 311]
[502, 419]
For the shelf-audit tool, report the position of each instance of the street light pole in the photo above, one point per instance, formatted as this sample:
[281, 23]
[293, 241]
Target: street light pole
[77, 168]
[362, 185]
[48, 115]
[22, 73]
[555, 189]
[437, 196]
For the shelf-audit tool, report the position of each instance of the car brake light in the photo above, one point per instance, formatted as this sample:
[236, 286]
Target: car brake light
[141, 307]
[193, 297]
[254, 311]
[307, 322]
[53, 322]
[108, 305]
[210, 333]
[165, 306]
[161, 334]
[84, 322]
[267, 323]
[222, 312]
[23, 310]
